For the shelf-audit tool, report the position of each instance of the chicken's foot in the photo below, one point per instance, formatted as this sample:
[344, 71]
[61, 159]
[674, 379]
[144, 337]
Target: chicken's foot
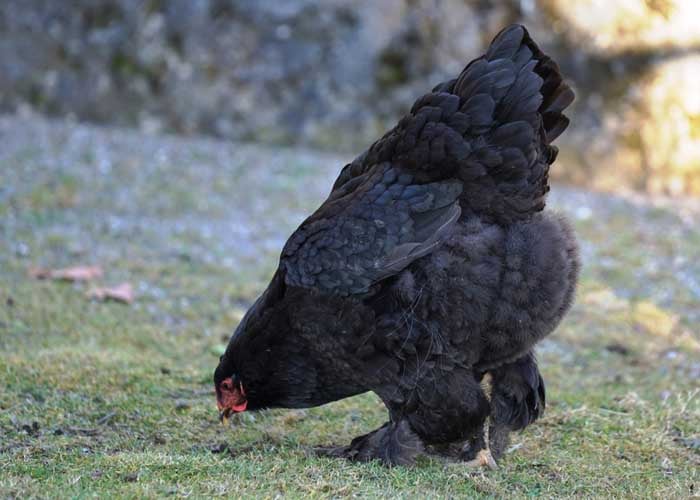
[393, 444]
[484, 458]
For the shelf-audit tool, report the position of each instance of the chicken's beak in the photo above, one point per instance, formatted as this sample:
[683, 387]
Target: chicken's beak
[224, 415]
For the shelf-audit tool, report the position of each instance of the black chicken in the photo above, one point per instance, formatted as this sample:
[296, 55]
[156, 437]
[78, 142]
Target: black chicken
[428, 274]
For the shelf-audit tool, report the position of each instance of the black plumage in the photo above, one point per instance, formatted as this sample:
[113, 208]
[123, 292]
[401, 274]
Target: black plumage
[430, 269]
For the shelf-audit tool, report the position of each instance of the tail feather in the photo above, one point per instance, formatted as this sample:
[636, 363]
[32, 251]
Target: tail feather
[491, 127]
[553, 94]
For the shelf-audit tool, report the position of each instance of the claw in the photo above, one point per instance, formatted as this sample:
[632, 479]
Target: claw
[487, 459]
[483, 459]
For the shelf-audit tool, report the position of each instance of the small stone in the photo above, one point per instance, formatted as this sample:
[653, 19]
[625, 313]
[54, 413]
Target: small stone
[21, 250]
[617, 348]
[182, 405]
[219, 448]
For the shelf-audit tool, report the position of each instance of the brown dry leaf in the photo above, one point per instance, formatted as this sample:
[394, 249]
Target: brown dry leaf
[121, 293]
[76, 273]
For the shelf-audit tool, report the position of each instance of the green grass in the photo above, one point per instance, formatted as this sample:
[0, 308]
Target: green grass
[103, 399]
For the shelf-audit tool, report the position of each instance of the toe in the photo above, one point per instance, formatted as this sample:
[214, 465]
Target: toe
[487, 459]
[483, 459]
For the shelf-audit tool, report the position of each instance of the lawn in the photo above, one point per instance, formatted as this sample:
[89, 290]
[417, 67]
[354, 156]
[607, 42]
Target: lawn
[104, 399]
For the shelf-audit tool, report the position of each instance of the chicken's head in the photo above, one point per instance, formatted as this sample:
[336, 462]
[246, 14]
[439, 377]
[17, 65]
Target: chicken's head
[230, 397]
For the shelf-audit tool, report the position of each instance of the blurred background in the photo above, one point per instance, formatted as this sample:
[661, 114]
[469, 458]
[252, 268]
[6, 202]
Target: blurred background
[335, 74]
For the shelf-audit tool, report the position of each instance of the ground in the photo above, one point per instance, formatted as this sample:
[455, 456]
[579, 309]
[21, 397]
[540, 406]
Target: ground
[106, 398]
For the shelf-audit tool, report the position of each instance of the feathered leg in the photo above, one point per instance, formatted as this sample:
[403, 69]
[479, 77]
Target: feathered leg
[517, 397]
[438, 408]
[482, 443]
[452, 411]
[394, 443]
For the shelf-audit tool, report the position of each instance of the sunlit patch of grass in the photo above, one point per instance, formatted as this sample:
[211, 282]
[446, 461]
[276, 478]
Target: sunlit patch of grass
[653, 319]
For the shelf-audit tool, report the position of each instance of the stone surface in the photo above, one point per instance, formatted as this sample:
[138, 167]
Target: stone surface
[293, 71]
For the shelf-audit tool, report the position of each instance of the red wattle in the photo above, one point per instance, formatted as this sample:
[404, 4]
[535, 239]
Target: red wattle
[240, 406]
